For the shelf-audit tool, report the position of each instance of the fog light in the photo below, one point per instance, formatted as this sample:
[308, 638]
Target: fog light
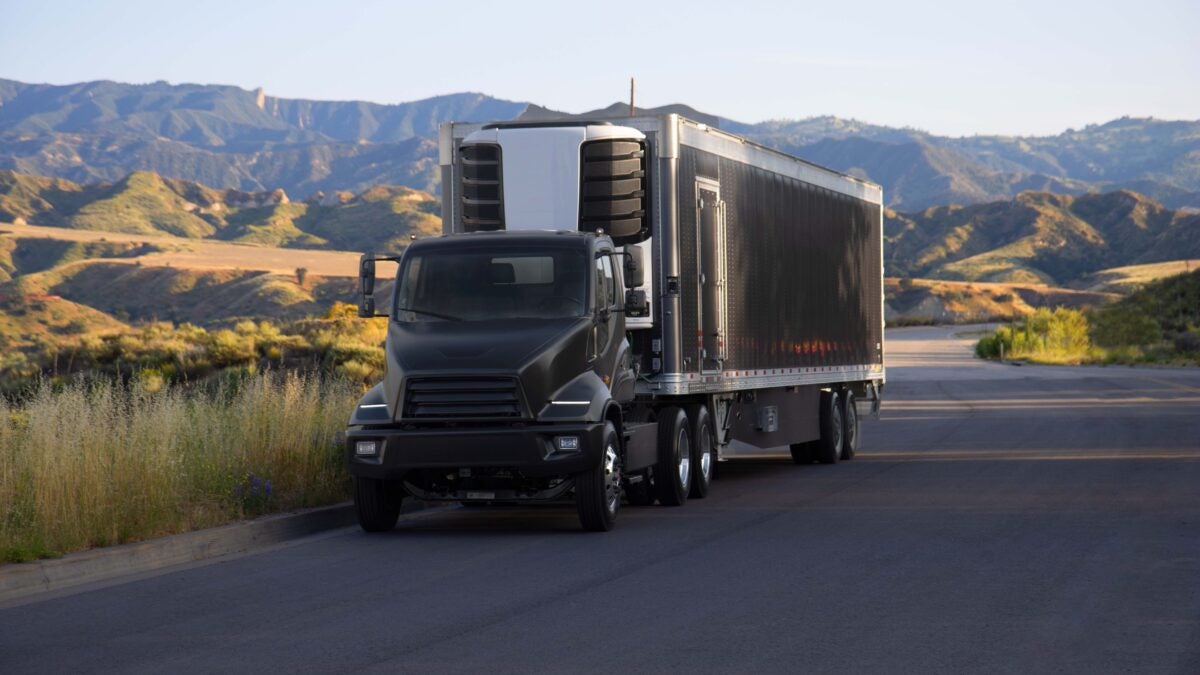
[567, 443]
[366, 448]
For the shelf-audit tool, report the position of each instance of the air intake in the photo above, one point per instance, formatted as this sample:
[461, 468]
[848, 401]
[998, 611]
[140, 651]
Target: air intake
[458, 397]
[482, 191]
[613, 189]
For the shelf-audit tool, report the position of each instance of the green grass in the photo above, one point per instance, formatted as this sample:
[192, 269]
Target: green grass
[98, 464]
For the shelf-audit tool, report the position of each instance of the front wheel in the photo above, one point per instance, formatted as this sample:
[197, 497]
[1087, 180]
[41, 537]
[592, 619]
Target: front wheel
[377, 503]
[598, 490]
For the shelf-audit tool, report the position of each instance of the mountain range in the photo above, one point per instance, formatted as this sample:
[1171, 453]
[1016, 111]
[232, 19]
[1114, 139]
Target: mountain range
[233, 138]
[1034, 238]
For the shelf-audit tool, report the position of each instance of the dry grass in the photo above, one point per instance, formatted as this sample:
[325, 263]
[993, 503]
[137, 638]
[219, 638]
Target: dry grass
[101, 464]
[204, 254]
[1131, 278]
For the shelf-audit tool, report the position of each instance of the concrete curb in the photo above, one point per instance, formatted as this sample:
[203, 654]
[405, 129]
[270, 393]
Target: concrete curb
[22, 580]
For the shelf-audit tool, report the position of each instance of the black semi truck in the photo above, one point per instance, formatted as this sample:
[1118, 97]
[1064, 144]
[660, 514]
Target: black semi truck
[615, 307]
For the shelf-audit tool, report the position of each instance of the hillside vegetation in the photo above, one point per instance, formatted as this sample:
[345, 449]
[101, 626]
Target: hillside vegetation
[1038, 238]
[1159, 323]
[381, 218]
[234, 138]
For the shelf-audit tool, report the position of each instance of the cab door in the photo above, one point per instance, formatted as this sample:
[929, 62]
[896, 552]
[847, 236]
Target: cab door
[610, 350]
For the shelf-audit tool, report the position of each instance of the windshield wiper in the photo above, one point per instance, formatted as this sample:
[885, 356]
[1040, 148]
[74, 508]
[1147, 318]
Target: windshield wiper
[428, 313]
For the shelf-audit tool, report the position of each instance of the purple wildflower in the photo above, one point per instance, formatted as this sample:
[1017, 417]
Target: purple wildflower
[267, 488]
[253, 485]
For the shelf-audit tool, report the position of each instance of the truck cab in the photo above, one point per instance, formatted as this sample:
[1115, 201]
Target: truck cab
[507, 365]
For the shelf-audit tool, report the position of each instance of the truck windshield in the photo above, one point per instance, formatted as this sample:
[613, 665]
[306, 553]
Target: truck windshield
[478, 285]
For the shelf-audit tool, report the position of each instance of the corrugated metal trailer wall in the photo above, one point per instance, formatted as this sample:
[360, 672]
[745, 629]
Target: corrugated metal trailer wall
[804, 269]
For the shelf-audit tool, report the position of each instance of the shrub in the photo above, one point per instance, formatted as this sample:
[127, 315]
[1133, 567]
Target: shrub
[1123, 325]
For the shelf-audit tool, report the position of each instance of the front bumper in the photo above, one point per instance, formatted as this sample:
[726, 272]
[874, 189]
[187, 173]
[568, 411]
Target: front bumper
[529, 449]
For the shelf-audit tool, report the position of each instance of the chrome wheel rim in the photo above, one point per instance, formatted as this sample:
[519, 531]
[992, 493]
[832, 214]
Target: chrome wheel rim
[685, 459]
[705, 454]
[851, 428]
[612, 479]
[837, 426]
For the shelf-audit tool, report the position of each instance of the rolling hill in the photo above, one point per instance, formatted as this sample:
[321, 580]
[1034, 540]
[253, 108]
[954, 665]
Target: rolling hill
[229, 137]
[381, 218]
[1038, 237]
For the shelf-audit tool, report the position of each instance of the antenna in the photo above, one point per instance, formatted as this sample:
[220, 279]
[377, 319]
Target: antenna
[632, 108]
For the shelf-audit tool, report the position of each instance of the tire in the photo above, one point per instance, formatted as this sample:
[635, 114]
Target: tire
[802, 453]
[377, 503]
[829, 447]
[703, 443]
[849, 426]
[673, 473]
[598, 490]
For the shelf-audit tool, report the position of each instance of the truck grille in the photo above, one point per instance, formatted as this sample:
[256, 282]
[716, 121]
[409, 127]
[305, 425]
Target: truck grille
[441, 398]
[613, 188]
[482, 191]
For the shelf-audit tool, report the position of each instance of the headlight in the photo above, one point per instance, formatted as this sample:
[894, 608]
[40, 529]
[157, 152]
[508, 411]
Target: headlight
[566, 443]
[366, 448]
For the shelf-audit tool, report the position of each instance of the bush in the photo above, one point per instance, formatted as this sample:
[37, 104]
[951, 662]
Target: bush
[1124, 326]
[1059, 335]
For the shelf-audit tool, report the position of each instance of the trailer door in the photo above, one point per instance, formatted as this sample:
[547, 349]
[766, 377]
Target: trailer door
[710, 214]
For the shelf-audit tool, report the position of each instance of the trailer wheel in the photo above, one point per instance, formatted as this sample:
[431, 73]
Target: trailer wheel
[704, 451]
[802, 453]
[849, 425]
[673, 473]
[377, 503]
[598, 490]
[829, 448]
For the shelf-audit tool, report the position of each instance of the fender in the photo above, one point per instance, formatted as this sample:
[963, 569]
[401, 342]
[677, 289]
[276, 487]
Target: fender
[583, 399]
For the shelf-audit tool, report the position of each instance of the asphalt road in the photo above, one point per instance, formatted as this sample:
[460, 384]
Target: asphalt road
[999, 518]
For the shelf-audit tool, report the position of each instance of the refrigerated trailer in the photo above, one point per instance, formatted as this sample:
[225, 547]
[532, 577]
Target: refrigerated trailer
[614, 308]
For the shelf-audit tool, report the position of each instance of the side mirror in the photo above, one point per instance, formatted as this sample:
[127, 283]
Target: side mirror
[635, 267]
[636, 303]
[366, 307]
[366, 274]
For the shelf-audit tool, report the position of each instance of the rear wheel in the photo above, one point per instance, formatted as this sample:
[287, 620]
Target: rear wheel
[598, 490]
[849, 425]
[704, 451]
[377, 503]
[829, 447]
[673, 472]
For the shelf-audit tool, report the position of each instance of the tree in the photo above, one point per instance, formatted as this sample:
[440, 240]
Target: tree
[301, 275]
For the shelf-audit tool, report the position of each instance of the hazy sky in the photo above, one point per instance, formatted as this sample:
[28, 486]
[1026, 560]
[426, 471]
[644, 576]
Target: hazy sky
[949, 67]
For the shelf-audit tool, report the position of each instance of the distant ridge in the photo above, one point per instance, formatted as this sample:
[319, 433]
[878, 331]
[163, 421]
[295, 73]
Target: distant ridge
[1038, 238]
[229, 137]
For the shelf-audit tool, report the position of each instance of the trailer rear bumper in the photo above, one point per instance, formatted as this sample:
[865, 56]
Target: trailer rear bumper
[534, 451]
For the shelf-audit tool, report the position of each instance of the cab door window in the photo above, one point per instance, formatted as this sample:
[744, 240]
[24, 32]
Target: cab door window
[606, 289]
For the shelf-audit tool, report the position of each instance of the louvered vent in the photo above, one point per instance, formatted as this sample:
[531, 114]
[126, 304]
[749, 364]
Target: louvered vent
[482, 191]
[443, 398]
[613, 188]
